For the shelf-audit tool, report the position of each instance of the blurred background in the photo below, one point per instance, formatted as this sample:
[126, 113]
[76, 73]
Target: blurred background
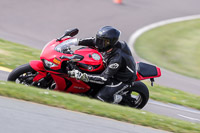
[34, 23]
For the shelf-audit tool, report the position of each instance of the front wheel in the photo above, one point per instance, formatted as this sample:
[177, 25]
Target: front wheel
[137, 96]
[23, 74]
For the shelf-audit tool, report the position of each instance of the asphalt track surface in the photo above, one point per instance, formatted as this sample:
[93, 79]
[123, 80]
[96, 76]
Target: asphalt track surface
[35, 23]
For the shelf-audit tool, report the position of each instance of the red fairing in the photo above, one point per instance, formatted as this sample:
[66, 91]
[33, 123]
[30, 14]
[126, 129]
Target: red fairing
[60, 82]
[69, 84]
[49, 52]
[38, 66]
[78, 86]
[63, 82]
[159, 72]
[89, 60]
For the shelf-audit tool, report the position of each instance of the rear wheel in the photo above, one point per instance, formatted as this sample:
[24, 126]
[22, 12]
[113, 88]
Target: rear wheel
[137, 96]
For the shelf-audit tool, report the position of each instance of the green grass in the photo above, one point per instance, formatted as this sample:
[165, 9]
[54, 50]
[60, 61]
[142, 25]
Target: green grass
[174, 46]
[91, 106]
[13, 54]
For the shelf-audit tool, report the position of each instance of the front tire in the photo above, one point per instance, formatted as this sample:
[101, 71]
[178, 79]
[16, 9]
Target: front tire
[23, 74]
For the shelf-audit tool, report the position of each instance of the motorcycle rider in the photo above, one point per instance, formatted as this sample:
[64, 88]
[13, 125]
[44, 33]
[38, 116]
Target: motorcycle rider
[120, 67]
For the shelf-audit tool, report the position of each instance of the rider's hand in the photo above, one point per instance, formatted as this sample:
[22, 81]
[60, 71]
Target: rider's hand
[78, 75]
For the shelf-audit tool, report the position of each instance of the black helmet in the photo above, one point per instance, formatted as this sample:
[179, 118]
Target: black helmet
[106, 38]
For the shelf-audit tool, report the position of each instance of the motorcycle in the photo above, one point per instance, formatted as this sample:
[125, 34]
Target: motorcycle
[57, 60]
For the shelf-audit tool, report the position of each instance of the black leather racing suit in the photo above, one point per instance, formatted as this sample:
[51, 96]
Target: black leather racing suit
[119, 73]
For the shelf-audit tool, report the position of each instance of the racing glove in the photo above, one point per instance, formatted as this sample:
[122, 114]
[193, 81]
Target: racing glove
[78, 75]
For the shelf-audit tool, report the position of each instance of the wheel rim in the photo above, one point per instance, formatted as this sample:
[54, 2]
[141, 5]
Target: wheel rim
[132, 99]
[137, 99]
[26, 78]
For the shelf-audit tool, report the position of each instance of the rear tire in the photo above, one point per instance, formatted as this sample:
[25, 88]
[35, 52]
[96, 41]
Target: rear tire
[141, 99]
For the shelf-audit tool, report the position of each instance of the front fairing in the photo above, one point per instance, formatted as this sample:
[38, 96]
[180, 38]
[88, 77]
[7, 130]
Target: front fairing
[56, 49]
[53, 52]
[51, 55]
[49, 52]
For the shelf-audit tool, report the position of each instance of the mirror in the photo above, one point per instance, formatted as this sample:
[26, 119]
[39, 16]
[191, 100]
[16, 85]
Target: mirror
[71, 32]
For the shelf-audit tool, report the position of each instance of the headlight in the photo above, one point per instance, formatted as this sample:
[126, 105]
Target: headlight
[96, 56]
[49, 64]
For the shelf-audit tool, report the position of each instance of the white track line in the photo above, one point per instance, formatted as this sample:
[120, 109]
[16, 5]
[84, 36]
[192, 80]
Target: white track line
[139, 32]
[177, 107]
[187, 117]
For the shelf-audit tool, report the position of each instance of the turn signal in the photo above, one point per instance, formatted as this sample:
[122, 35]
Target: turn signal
[56, 61]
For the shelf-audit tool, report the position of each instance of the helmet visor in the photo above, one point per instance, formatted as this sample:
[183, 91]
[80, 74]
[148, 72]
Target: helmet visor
[102, 43]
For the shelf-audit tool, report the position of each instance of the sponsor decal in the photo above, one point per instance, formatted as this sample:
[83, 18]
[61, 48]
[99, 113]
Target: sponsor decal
[80, 88]
[114, 66]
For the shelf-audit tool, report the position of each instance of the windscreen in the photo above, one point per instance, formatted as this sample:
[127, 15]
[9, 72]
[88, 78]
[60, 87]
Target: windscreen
[64, 47]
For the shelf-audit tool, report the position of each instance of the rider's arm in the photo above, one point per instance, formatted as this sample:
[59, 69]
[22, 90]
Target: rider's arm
[108, 73]
[87, 42]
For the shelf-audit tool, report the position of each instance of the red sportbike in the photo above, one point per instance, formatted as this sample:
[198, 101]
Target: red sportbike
[58, 59]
